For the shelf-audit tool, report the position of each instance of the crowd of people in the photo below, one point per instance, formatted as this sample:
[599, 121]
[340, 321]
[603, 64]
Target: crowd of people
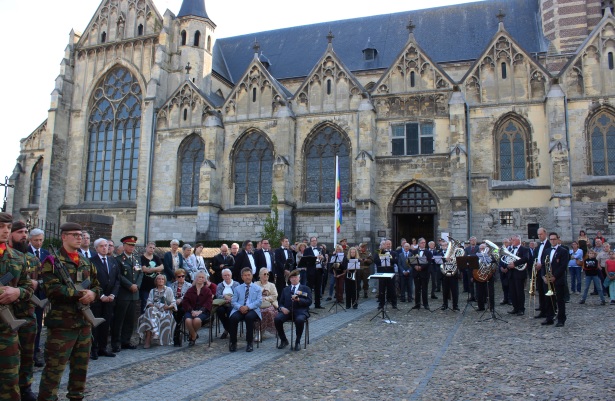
[95, 291]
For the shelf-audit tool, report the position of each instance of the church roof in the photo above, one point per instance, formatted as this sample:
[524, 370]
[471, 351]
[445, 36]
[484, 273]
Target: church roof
[452, 33]
[193, 7]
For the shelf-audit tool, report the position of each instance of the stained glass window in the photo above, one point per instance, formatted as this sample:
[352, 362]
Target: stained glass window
[191, 156]
[512, 152]
[253, 170]
[320, 154]
[35, 183]
[602, 142]
[114, 131]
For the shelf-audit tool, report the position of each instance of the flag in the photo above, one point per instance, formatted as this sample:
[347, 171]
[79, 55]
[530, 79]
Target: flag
[338, 198]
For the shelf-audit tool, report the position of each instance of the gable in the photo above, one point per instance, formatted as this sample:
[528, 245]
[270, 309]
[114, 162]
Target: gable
[187, 107]
[118, 20]
[330, 86]
[504, 72]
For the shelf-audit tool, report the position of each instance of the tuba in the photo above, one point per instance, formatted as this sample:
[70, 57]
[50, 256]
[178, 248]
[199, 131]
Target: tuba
[449, 262]
[508, 257]
[486, 269]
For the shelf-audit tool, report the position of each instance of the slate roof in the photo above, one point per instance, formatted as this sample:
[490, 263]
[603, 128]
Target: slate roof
[193, 7]
[452, 33]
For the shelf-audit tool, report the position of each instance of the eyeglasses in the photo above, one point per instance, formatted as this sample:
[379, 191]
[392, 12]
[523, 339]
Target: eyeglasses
[180, 276]
[76, 235]
[265, 274]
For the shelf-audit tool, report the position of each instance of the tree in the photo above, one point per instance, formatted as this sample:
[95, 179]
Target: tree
[270, 228]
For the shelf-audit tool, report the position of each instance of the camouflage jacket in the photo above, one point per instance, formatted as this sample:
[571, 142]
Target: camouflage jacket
[14, 262]
[25, 309]
[64, 300]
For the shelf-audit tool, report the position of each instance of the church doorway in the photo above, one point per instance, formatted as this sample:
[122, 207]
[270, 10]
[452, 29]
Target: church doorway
[414, 215]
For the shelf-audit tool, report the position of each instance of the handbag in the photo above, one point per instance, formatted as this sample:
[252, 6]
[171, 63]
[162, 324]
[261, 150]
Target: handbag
[579, 262]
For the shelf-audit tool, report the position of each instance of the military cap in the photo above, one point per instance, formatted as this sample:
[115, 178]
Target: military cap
[129, 240]
[18, 225]
[71, 227]
[6, 218]
[294, 273]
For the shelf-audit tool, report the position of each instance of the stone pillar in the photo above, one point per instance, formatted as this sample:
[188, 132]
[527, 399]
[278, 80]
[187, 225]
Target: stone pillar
[365, 173]
[459, 224]
[283, 167]
[148, 134]
[560, 162]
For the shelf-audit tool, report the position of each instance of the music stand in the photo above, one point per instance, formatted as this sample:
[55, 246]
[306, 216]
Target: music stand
[470, 263]
[309, 263]
[356, 269]
[383, 311]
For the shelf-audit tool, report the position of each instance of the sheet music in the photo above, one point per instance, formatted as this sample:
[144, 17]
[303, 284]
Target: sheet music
[353, 264]
[385, 260]
[382, 275]
[438, 259]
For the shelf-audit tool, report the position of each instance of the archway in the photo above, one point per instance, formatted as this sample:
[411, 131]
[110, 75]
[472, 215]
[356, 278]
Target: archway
[414, 214]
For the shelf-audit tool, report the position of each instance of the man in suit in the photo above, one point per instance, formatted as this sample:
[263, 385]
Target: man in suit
[221, 261]
[130, 280]
[544, 247]
[315, 273]
[245, 258]
[421, 274]
[85, 245]
[505, 275]
[516, 283]
[405, 273]
[284, 263]
[246, 302]
[294, 304]
[37, 237]
[109, 279]
[468, 283]
[558, 260]
[264, 258]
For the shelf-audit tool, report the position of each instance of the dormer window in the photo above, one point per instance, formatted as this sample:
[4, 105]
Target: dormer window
[369, 54]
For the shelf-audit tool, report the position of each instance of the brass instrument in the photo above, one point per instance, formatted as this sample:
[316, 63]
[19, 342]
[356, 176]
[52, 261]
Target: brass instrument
[532, 291]
[453, 251]
[352, 274]
[548, 275]
[509, 257]
[486, 269]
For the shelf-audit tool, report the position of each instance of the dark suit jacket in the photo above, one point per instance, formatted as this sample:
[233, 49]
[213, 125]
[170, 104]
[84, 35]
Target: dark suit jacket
[559, 264]
[472, 250]
[524, 254]
[228, 261]
[280, 261]
[310, 252]
[424, 272]
[109, 282]
[388, 269]
[261, 261]
[242, 261]
[300, 307]
[92, 251]
[167, 262]
[43, 252]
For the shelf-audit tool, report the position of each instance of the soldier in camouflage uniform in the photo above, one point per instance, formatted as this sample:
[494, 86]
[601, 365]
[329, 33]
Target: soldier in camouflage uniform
[19, 289]
[25, 310]
[69, 335]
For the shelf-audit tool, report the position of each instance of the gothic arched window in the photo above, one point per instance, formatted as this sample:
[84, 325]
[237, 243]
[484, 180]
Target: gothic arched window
[320, 153]
[114, 130]
[35, 182]
[512, 151]
[253, 165]
[191, 156]
[602, 143]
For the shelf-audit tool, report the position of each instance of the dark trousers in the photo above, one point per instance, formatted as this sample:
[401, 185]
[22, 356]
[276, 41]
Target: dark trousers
[363, 280]
[315, 283]
[351, 292]
[465, 275]
[421, 281]
[223, 312]
[123, 322]
[237, 317]
[280, 283]
[100, 336]
[450, 289]
[484, 290]
[516, 291]
[436, 276]
[559, 300]
[407, 286]
[39, 320]
[299, 320]
[339, 288]
[542, 299]
[386, 286]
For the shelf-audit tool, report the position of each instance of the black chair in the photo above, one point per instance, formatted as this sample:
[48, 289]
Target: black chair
[306, 334]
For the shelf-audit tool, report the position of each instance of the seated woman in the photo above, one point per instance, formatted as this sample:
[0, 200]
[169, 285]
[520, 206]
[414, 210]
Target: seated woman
[224, 295]
[197, 304]
[179, 287]
[157, 321]
[269, 306]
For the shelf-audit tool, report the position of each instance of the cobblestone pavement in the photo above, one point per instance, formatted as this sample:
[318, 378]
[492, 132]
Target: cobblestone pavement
[439, 355]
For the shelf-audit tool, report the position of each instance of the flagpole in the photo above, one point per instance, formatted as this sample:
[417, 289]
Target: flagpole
[335, 205]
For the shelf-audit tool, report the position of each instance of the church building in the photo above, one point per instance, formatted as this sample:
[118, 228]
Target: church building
[488, 119]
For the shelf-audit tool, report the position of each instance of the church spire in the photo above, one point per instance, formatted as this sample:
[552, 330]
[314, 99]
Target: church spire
[194, 8]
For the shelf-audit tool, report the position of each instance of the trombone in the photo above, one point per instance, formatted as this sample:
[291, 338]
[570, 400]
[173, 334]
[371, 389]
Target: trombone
[550, 285]
[532, 291]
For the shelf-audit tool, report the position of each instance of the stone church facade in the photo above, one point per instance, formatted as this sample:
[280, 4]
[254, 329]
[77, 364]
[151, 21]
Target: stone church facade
[482, 119]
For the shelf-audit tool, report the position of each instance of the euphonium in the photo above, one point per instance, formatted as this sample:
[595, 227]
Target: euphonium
[509, 257]
[550, 286]
[449, 262]
[486, 269]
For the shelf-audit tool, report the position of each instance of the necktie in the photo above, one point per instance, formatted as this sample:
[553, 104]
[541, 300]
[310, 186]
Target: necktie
[38, 253]
[294, 289]
[104, 260]
[247, 294]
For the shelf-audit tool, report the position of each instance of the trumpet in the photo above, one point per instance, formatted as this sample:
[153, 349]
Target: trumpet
[548, 275]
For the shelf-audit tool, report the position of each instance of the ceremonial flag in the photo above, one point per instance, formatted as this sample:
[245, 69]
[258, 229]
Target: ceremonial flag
[338, 201]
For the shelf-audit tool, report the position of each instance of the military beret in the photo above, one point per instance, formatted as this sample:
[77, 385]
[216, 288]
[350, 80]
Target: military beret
[71, 227]
[294, 273]
[129, 240]
[18, 225]
[6, 218]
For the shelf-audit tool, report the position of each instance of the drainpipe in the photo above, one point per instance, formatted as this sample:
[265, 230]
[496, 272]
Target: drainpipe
[468, 150]
[569, 165]
[150, 174]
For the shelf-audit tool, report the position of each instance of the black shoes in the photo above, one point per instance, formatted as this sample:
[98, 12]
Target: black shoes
[456, 308]
[548, 323]
[129, 346]
[433, 296]
[541, 316]
[232, 347]
[297, 347]
[93, 355]
[416, 307]
[283, 344]
[444, 307]
[27, 394]
[319, 307]
[116, 349]
[480, 309]
[39, 362]
[249, 348]
[394, 306]
[504, 302]
[355, 306]
[106, 353]
[512, 312]
[559, 324]
[520, 313]
[224, 335]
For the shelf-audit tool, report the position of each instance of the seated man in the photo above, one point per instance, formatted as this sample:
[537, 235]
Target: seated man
[247, 299]
[294, 304]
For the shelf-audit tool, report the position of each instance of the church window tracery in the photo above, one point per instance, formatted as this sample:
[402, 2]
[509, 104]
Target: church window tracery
[320, 152]
[114, 131]
[602, 143]
[512, 151]
[191, 156]
[253, 170]
[36, 182]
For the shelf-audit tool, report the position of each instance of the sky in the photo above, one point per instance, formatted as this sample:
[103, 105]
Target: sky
[35, 34]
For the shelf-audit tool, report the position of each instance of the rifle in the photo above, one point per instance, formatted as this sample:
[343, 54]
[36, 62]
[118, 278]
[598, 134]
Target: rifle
[5, 312]
[85, 309]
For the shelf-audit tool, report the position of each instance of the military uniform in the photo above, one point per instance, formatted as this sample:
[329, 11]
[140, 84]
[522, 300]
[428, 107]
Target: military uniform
[12, 262]
[69, 335]
[126, 301]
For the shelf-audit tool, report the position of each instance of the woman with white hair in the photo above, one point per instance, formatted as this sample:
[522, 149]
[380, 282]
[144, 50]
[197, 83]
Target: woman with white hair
[189, 262]
[172, 261]
[156, 322]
